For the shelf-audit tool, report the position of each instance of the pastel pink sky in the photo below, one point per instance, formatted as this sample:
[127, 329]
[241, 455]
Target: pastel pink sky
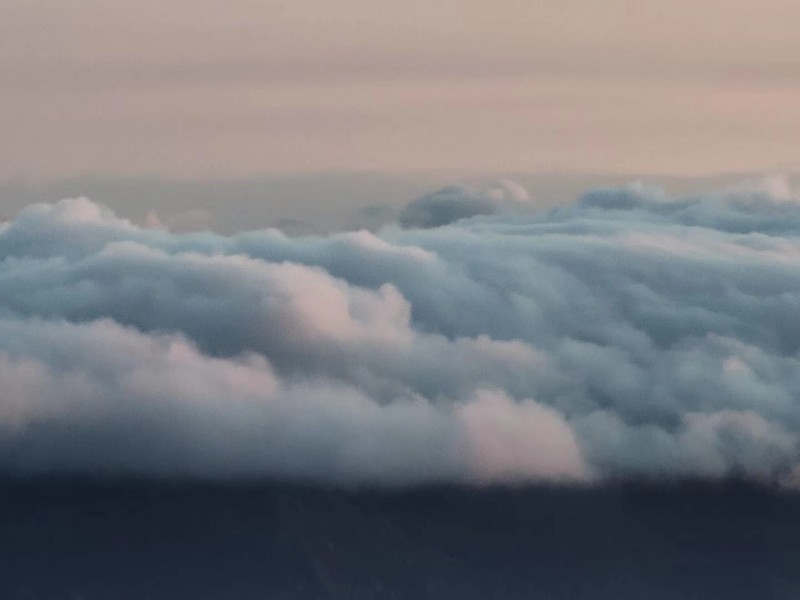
[242, 87]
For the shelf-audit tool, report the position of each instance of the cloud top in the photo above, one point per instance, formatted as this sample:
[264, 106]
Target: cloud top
[453, 203]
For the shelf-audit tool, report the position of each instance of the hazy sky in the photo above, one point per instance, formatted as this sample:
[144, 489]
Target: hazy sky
[450, 329]
[242, 87]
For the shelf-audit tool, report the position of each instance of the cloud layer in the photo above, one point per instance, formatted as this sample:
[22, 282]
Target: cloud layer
[629, 334]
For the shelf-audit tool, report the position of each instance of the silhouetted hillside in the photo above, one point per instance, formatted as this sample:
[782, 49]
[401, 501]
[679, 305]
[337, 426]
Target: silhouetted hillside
[154, 541]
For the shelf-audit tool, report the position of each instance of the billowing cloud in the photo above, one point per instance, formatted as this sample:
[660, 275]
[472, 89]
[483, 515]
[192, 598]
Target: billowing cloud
[630, 334]
[452, 203]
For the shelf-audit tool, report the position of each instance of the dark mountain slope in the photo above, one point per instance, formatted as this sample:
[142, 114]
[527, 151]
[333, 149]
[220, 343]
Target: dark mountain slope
[154, 541]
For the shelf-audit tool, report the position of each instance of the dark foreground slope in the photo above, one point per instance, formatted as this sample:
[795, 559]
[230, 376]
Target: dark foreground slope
[152, 541]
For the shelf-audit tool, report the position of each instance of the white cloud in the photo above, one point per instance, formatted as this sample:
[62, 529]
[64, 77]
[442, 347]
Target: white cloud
[627, 335]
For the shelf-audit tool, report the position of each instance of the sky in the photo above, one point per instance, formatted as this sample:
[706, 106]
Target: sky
[384, 244]
[246, 88]
[289, 287]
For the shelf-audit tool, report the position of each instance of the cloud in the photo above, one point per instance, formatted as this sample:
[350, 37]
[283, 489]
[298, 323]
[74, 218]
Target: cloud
[514, 441]
[629, 334]
[453, 203]
[101, 398]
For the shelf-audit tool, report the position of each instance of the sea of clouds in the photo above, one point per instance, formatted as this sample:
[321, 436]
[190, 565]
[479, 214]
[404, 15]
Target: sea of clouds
[629, 334]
